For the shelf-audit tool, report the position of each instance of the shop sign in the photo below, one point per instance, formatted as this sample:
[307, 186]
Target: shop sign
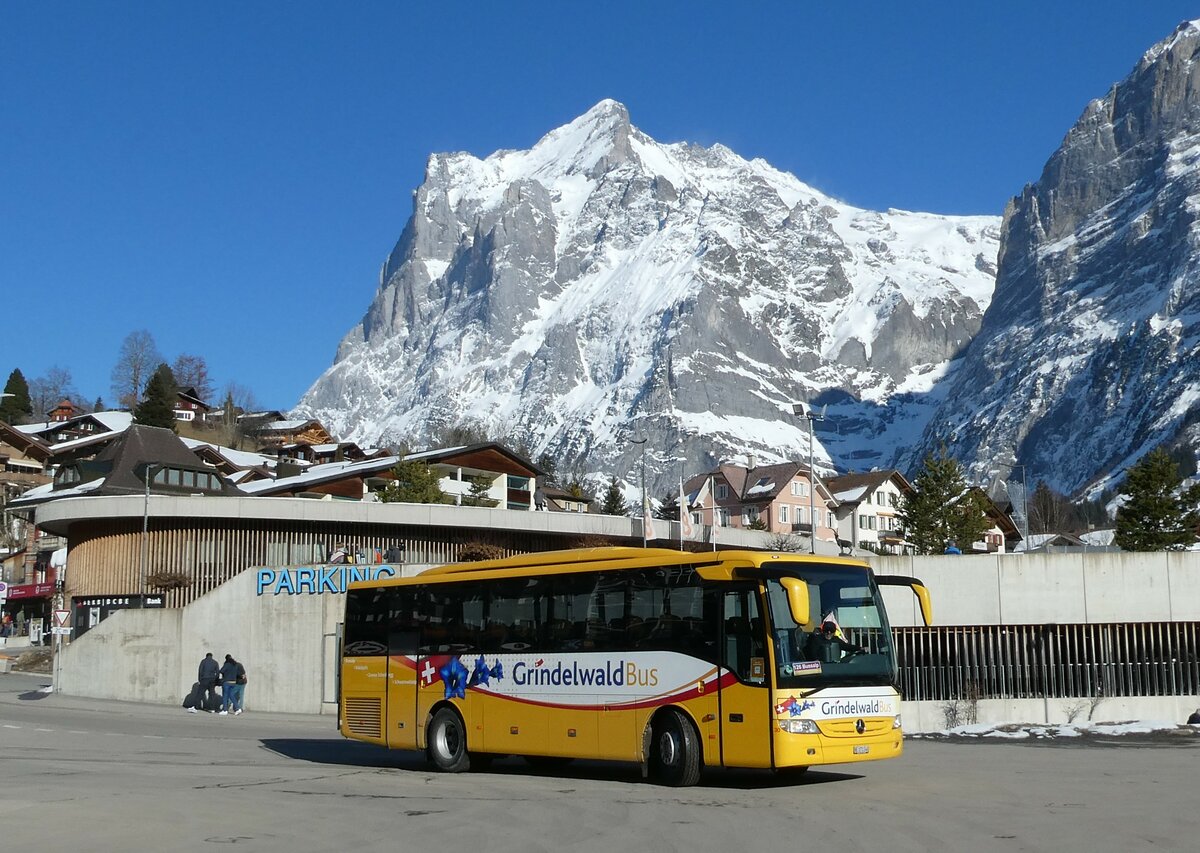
[30, 590]
[119, 601]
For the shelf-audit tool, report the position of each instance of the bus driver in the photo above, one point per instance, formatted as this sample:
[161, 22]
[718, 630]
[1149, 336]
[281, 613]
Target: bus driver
[826, 644]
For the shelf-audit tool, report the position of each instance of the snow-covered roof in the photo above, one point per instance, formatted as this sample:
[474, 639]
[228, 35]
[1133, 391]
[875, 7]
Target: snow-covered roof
[320, 474]
[115, 421]
[425, 454]
[240, 458]
[285, 425]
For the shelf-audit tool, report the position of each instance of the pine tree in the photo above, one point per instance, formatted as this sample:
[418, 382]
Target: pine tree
[942, 509]
[414, 483]
[1158, 515]
[668, 507]
[481, 484]
[613, 502]
[158, 402]
[18, 408]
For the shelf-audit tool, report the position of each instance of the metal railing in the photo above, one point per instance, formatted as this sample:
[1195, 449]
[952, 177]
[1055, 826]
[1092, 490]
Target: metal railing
[1035, 661]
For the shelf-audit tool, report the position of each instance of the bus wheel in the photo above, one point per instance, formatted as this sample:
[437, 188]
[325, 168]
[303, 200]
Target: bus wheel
[675, 751]
[448, 742]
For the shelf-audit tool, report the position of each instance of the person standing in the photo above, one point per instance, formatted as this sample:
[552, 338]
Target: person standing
[231, 671]
[209, 672]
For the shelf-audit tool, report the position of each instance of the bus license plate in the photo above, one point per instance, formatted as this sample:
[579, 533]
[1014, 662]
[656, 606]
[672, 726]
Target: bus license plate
[861, 750]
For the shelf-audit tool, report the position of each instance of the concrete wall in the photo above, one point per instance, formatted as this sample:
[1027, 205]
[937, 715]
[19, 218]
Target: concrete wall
[931, 716]
[1026, 589]
[286, 643]
[132, 655]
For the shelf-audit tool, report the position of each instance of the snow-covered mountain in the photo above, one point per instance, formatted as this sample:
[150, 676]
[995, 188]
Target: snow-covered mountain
[1089, 355]
[601, 286]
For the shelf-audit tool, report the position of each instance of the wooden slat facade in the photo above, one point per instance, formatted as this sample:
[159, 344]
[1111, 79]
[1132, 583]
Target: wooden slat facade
[106, 559]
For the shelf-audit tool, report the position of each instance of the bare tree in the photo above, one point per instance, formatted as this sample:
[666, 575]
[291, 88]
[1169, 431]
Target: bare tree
[139, 357]
[1051, 512]
[243, 398]
[45, 392]
[191, 371]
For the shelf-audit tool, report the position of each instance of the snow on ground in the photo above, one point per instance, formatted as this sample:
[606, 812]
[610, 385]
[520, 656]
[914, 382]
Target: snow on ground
[1053, 731]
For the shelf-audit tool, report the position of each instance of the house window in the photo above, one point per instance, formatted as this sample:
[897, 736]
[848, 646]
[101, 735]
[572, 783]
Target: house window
[722, 492]
[723, 517]
[749, 515]
[829, 521]
[783, 514]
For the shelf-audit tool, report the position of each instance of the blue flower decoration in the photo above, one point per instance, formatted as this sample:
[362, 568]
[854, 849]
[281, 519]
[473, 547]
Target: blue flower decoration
[454, 676]
[497, 671]
[480, 674]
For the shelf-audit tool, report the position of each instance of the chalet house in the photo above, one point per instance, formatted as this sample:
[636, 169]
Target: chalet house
[350, 481]
[238, 466]
[554, 498]
[64, 411]
[1003, 537]
[334, 451]
[142, 458]
[189, 406]
[81, 437]
[777, 497]
[23, 460]
[275, 435]
[23, 466]
[513, 478]
[868, 510]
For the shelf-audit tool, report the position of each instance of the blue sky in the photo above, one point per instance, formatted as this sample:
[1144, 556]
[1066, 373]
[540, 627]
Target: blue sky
[230, 176]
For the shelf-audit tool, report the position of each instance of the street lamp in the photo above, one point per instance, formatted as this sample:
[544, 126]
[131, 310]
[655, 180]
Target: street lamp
[645, 503]
[807, 412]
[1025, 502]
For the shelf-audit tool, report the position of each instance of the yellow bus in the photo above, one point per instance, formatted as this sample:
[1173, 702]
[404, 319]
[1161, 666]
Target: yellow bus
[671, 659]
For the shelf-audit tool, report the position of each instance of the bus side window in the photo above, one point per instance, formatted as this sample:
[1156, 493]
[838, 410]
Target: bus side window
[366, 627]
[404, 632]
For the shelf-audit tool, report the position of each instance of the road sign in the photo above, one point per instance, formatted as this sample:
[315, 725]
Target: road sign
[3, 591]
[62, 619]
[66, 632]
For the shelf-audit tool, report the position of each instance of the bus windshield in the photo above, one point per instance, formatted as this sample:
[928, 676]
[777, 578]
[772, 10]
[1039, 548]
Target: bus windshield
[846, 639]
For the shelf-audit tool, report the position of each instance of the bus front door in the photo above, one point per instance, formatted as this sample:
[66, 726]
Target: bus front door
[745, 703]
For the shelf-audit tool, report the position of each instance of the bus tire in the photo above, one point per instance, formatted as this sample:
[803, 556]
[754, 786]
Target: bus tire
[674, 750]
[448, 742]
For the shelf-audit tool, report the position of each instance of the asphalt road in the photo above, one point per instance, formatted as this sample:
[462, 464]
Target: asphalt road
[98, 776]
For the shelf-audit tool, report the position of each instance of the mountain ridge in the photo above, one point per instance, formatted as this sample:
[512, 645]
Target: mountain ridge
[601, 283]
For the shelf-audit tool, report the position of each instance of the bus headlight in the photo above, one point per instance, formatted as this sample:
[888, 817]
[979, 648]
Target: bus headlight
[800, 727]
[896, 722]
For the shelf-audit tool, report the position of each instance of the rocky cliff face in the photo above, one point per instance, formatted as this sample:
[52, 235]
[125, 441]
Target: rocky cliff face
[1088, 355]
[601, 286]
